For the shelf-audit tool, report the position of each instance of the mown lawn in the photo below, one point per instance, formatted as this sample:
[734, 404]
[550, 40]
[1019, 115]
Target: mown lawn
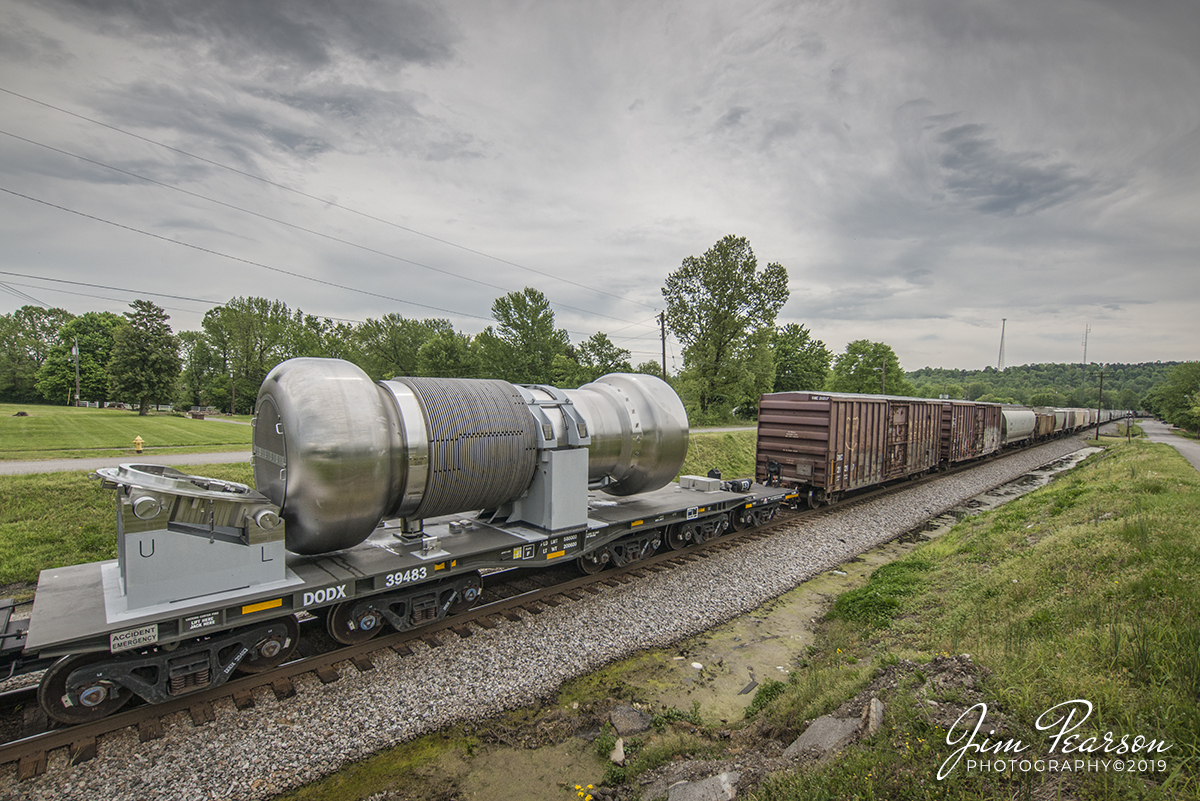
[56, 432]
[54, 519]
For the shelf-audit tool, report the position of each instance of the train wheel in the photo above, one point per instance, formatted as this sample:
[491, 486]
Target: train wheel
[274, 650]
[593, 563]
[677, 537]
[737, 519]
[95, 701]
[347, 629]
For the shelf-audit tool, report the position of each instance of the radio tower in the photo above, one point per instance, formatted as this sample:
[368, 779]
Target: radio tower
[1000, 361]
[1087, 329]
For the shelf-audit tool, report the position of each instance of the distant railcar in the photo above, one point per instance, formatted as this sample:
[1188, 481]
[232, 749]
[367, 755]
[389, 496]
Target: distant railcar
[969, 430]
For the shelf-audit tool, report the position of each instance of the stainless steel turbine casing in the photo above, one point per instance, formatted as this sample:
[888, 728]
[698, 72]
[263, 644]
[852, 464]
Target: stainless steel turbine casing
[338, 452]
[639, 431]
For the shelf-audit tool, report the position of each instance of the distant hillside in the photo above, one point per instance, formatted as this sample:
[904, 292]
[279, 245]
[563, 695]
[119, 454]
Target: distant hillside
[1044, 384]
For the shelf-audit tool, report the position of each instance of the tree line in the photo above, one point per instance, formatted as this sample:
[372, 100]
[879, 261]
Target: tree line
[720, 306]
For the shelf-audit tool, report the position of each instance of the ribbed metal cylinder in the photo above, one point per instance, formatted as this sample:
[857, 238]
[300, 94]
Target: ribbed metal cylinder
[482, 444]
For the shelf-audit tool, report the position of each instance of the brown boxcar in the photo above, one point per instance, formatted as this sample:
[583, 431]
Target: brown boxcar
[969, 430]
[830, 442]
[1045, 423]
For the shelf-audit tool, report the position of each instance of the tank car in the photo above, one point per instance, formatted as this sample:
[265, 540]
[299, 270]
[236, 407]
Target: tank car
[375, 504]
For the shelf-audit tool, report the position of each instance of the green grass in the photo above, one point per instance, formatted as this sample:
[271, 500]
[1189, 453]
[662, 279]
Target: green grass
[731, 452]
[64, 432]
[53, 519]
[384, 771]
[1086, 589]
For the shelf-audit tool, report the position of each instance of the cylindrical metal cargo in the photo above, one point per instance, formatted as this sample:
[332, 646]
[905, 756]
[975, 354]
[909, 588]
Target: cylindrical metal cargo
[639, 431]
[338, 452]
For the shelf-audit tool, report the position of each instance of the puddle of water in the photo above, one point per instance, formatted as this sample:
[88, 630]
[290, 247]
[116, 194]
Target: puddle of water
[720, 669]
[769, 642]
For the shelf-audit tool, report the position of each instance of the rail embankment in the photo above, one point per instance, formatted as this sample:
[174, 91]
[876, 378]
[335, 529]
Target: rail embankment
[1079, 607]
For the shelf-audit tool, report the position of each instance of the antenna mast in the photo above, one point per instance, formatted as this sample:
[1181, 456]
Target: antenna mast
[1087, 329]
[1000, 361]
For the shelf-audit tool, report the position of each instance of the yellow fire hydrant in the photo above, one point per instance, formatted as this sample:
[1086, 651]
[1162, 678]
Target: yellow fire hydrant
[137, 444]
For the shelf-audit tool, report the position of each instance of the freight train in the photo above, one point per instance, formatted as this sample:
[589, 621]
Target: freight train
[379, 504]
[825, 444]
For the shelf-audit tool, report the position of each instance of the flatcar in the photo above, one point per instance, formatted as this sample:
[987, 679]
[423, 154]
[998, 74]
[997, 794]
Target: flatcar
[375, 505]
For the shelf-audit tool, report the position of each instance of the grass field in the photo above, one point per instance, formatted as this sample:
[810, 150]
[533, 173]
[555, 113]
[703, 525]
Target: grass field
[64, 432]
[54, 519]
[1086, 589]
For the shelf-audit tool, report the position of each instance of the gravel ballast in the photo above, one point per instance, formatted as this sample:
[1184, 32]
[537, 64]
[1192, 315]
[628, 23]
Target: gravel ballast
[276, 746]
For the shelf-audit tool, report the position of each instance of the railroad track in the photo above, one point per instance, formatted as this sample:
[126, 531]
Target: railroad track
[517, 594]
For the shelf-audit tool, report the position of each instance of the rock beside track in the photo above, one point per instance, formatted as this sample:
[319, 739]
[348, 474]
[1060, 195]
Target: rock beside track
[276, 746]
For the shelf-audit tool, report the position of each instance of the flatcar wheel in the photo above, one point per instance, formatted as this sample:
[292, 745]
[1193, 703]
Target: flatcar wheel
[677, 537]
[273, 651]
[349, 630]
[593, 563]
[95, 702]
[737, 520]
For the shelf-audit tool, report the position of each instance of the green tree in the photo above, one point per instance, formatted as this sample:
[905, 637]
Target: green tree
[597, 356]
[199, 367]
[1178, 399]
[651, 367]
[26, 338]
[249, 336]
[447, 354]
[56, 377]
[522, 346]
[391, 344]
[144, 365]
[871, 368]
[722, 309]
[801, 362]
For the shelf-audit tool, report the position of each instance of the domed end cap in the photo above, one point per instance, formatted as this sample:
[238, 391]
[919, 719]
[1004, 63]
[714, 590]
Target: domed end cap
[655, 431]
[323, 441]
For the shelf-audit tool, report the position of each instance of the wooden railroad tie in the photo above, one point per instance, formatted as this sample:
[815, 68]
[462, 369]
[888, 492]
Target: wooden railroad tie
[363, 663]
[82, 750]
[244, 699]
[31, 766]
[283, 688]
[328, 674]
[149, 729]
[402, 650]
[202, 713]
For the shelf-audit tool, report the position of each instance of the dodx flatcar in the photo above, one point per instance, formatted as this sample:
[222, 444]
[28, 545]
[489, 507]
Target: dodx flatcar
[376, 504]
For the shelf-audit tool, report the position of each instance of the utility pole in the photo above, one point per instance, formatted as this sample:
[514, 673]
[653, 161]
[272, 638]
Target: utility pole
[232, 395]
[1000, 361]
[1099, 403]
[75, 353]
[662, 327]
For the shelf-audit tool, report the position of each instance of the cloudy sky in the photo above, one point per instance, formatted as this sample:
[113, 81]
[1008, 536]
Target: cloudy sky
[922, 169]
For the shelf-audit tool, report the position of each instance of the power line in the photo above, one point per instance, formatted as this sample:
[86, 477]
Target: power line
[323, 201]
[225, 256]
[239, 259]
[23, 295]
[287, 224]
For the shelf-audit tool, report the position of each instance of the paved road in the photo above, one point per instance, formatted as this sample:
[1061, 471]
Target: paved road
[1161, 432]
[88, 465]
